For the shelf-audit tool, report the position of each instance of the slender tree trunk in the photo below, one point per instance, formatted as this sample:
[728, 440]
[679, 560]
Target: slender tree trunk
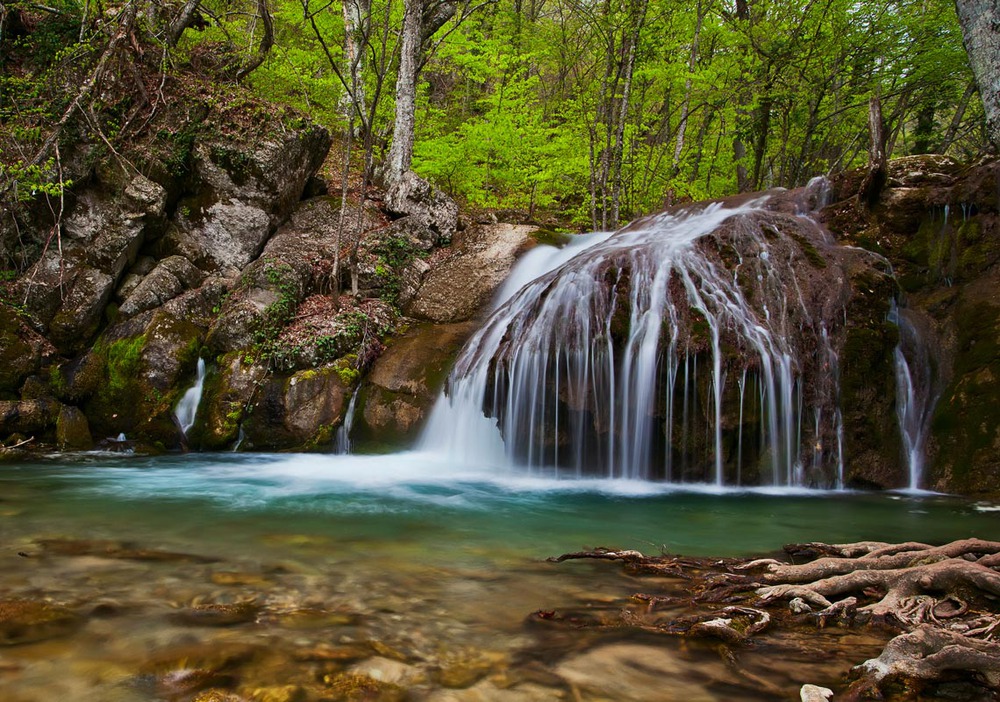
[629, 70]
[980, 20]
[357, 14]
[686, 103]
[266, 42]
[182, 21]
[956, 120]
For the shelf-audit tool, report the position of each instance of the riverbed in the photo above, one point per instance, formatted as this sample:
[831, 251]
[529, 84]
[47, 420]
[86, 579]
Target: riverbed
[404, 576]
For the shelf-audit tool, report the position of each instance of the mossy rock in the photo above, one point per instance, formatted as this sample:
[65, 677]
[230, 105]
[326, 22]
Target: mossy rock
[966, 425]
[18, 358]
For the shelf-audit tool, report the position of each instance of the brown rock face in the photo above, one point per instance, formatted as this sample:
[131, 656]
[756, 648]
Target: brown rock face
[405, 381]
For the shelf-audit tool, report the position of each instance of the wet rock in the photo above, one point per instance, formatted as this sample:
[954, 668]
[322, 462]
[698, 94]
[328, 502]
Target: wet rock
[217, 695]
[27, 621]
[116, 549]
[189, 669]
[218, 614]
[226, 236]
[465, 668]
[226, 399]
[301, 411]
[169, 278]
[187, 683]
[347, 653]
[487, 691]
[72, 327]
[314, 618]
[412, 196]
[404, 382]
[146, 197]
[72, 430]
[28, 417]
[20, 350]
[461, 286]
[279, 693]
[815, 693]
[236, 579]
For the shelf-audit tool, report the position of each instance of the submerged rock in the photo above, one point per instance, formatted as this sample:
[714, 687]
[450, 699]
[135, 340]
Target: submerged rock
[635, 672]
[27, 621]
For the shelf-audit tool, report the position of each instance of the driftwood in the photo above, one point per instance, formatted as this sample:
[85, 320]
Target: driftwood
[941, 602]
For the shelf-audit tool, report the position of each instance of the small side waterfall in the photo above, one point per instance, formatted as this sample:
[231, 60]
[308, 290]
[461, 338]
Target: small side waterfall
[342, 442]
[187, 408]
[696, 345]
[915, 393]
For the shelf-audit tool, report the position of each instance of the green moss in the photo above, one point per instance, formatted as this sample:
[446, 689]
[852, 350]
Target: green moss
[123, 362]
[809, 250]
[968, 415]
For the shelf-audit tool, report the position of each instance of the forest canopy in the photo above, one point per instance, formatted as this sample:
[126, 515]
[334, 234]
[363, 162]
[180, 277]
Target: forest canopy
[586, 112]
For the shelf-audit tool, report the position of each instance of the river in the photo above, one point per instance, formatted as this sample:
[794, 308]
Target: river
[291, 577]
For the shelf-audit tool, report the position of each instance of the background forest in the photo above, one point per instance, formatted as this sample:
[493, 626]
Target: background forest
[589, 113]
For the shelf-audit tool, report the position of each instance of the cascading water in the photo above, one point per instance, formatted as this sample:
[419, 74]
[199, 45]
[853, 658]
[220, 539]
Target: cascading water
[624, 355]
[187, 408]
[915, 394]
[342, 443]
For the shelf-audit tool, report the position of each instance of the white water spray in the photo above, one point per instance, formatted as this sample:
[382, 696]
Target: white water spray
[187, 408]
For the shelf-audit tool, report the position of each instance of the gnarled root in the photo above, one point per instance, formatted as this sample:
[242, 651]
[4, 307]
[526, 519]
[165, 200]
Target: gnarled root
[930, 653]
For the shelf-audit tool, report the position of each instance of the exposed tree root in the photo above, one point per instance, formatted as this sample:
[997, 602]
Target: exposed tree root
[944, 599]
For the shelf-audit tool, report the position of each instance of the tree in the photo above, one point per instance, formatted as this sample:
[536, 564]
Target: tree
[980, 20]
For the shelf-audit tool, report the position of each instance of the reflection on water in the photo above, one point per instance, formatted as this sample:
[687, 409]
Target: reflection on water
[396, 577]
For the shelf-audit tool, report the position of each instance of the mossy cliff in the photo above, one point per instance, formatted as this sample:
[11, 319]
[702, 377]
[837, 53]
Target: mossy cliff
[937, 222]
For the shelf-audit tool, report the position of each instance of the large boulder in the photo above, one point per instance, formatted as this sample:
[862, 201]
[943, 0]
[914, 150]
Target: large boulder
[401, 388]
[463, 284]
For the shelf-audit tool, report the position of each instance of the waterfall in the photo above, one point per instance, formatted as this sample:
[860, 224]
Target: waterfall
[620, 354]
[342, 443]
[187, 408]
[915, 395]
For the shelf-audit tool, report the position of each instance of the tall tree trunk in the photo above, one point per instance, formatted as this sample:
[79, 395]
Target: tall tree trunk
[980, 20]
[401, 151]
[871, 186]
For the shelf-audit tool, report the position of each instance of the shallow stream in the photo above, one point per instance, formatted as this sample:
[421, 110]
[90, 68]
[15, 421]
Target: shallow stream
[314, 577]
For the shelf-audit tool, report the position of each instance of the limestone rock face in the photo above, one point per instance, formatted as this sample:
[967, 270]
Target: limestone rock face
[415, 197]
[462, 285]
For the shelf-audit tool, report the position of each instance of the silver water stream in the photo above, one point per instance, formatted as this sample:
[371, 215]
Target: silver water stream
[916, 395]
[187, 408]
[342, 442]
